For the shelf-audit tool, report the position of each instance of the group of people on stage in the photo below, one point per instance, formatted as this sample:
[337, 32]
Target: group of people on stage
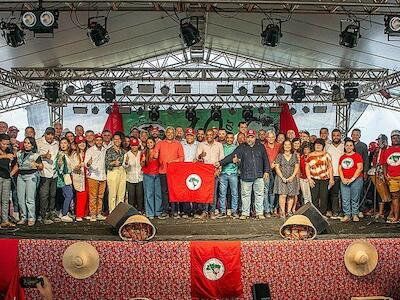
[72, 176]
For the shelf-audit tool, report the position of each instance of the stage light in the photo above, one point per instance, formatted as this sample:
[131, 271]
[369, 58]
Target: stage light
[260, 89]
[140, 111]
[351, 91]
[70, 90]
[320, 109]
[95, 110]
[170, 110]
[183, 88]
[164, 90]
[216, 113]
[13, 34]
[154, 114]
[306, 109]
[392, 26]
[224, 89]
[79, 110]
[280, 90]
[247, 113]
[127, 90]
[271, 34]
[97, 33]
[51, 92]
[261, 110]
[189, 33]
[40, 21]
[242, 91]
[109, 110]
[108, 92]
[317, 89]
[232, 111]
[190, 114]
[275, 110]
[298, 92]
[293, 111]
[146, 88]
[88, 88]
[350, 35]
[126, 110]
[336, 93]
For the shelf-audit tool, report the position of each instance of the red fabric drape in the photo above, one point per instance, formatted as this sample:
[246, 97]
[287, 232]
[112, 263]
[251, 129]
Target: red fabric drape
[114, 121]
[287, 121]
[9, 271]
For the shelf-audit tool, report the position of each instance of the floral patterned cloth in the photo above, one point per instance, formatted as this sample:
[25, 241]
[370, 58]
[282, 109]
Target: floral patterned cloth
[161, 270]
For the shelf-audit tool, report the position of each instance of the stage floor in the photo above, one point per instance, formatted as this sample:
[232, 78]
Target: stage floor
[194, 229]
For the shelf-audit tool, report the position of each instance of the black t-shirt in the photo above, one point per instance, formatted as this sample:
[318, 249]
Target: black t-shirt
[5, 166]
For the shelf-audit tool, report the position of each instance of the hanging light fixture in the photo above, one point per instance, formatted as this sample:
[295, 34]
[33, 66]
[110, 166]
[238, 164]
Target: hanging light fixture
[190, 33]
[351, 34]
[271, 34]
[12, 34]
[98, 33]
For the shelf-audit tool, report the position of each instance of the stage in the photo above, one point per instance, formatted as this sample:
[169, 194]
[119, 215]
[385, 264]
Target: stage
[195, 229]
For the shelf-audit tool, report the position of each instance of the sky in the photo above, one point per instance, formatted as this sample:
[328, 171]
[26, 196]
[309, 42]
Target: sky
[373, 122]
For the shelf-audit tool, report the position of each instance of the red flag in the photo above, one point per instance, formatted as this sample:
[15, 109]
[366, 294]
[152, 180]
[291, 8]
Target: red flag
[287, 121]
[114, 120]
[215, 270]
[190, 182]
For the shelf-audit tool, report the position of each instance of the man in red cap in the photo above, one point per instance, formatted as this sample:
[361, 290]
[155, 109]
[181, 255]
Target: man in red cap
[254, 167]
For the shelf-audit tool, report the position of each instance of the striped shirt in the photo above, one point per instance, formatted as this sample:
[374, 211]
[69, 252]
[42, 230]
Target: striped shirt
[319, 165]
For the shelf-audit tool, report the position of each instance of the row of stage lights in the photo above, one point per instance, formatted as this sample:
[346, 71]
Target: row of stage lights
[297, 93]
[43, 21]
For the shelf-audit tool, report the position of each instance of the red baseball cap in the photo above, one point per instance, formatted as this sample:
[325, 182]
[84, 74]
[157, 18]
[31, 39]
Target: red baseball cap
[190, 131]
[251, 132]
[134, 142]
[98, 135]
[80, 139]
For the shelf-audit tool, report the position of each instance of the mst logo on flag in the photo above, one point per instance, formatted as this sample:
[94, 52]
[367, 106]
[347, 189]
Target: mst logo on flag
[190, 182]
[215, 269]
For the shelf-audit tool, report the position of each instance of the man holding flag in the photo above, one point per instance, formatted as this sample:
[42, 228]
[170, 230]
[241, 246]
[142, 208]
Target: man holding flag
[255, 168]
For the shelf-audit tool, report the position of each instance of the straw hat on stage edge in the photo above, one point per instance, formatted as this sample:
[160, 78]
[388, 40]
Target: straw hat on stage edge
[361, 258]
[81, 260]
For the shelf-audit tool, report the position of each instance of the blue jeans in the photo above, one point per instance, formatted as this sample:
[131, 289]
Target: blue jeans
[26, 191]
[351, 196]
[269, 196]
[246, 189]
[152, 195]
[213, 206]
[68, 193]
[224, 181]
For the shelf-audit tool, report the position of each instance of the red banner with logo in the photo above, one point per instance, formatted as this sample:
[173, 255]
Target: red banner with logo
[215, 270]
[190, 182]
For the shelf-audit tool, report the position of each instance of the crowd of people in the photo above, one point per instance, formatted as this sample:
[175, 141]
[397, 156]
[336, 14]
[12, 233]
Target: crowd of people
[73, 176]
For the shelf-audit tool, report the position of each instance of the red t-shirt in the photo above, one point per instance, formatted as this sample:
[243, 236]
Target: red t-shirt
[391, 158]
[349, 164]
[152, 167]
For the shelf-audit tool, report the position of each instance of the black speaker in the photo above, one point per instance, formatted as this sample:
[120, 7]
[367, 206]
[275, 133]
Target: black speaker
[316, 218]
[119, 215]
[261, 291]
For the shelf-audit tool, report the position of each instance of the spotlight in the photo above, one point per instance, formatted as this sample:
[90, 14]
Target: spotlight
[321, 109]
[80, 110]
[280, 90]
[13, 34]
[242, 91]
[190, 114]
[140, 111]
[271, 34]
[216, 113]
[298, 92]
[247, 113]
[293, 111]
[232, 111]
[51, 92]
[317, 89]
[108, 91]
[97, 33]
[306, 109]
[261, 110]
[392, 26]
[70, 90]
[127, 90]
[108, 110]
[351, 91]
[154, 114]
[95, 110]
[350, 35]
[164, 90]
[88, 88]
[260, 89]
[170, 110]
[189, 33]
[40, 21]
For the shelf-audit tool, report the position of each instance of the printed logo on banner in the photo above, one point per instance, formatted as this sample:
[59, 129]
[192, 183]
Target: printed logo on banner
[193, 182]
[394, 159]
[347, 163]
[213, 269]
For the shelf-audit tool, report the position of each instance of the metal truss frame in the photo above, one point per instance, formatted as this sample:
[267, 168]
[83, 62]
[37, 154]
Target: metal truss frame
[361, 7]
[343, 117]
[13, 81]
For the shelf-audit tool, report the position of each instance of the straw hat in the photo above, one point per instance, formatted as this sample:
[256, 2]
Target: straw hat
[361, 258]
[81, 260]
